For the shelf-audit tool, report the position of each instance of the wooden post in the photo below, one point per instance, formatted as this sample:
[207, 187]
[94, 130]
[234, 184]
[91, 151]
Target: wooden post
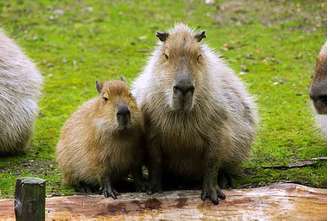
[30, 196]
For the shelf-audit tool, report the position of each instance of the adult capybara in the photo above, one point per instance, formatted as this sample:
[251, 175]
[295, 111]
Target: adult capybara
[318, 89]
[199, 117]
[100, 142]
[20, 89]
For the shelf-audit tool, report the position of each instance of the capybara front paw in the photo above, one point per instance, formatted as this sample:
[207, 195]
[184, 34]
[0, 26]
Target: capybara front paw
[213, 193]
[108, 191]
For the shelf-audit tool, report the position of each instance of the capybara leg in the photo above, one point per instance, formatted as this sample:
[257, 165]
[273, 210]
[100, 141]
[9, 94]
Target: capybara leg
[155, 172]
[139, 181]
[211, 189]
[225, 180]
[107, 188]
[155, 181]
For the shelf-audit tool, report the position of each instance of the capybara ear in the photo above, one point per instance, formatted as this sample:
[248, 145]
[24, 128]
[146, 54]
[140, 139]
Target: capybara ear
[162, 36]
[200, 36]
[122, 78]
[99, 86]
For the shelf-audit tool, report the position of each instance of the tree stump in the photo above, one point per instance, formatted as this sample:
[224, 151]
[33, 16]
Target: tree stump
[29, 201]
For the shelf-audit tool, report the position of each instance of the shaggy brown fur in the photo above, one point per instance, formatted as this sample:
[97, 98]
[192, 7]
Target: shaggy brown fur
[97, 146]
[199, 117]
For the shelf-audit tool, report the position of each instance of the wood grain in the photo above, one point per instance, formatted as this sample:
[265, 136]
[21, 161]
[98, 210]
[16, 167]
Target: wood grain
[275, 202]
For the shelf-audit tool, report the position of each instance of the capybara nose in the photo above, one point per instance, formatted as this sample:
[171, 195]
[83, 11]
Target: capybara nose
[123, 111]
[184, 87]
[318, 94]
[123, 115]
[320, 103]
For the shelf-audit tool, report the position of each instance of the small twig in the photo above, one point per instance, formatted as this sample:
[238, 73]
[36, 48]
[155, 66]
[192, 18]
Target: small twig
[319, 158]
[299, 164]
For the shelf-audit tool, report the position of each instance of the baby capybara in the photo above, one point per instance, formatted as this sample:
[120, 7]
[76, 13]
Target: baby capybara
[318, 89]
[199, 118]
[20, 90]
[100, 142]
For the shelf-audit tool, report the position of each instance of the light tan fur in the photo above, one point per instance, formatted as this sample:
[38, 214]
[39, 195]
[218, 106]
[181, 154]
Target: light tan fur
[91, 146]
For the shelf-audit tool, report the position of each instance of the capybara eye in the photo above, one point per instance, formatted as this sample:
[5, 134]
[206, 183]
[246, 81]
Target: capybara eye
[199, 57]
[166, 56]
[105, 98]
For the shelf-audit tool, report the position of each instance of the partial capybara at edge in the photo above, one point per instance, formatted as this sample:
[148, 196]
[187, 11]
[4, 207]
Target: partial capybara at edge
[318, 89]
[20, 90]
[101, 142]
[199, 118]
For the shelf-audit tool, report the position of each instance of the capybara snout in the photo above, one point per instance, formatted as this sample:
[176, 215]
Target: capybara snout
[318, 95]
[123, 115]
[183, 91]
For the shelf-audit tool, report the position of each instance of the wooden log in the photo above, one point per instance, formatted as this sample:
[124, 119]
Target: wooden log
[29, 204]
[276, 202]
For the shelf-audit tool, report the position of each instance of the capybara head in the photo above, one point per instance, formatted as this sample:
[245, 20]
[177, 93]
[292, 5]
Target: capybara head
[180, 65]
[318, 89]
[117, 104]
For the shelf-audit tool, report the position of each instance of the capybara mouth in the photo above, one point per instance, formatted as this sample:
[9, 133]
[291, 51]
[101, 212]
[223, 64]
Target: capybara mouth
[182, 103]
[125, 126]
[123, 116]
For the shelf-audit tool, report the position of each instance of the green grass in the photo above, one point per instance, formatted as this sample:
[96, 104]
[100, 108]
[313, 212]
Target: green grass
[75, 43]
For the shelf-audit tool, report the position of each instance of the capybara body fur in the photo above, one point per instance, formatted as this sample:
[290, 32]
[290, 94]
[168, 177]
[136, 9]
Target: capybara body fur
[318, 90]
[100, 142]
[20, 89]
[199, 117]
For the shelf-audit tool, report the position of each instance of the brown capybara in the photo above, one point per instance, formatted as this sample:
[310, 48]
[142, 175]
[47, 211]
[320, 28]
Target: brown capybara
[100, 142]
[199, 118]
[318, 89]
